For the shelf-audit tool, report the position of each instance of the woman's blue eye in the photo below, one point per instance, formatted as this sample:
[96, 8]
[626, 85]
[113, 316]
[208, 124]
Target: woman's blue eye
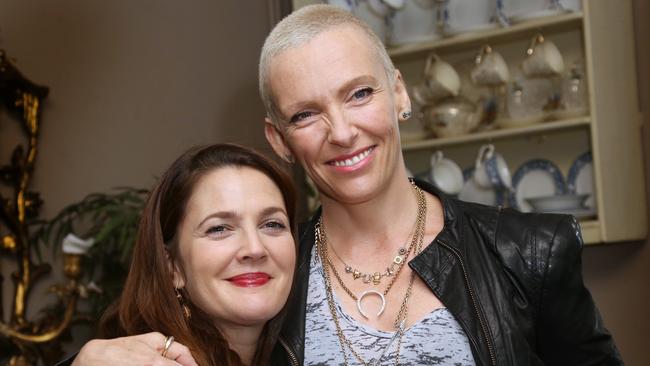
[362, 93]
[300, 116]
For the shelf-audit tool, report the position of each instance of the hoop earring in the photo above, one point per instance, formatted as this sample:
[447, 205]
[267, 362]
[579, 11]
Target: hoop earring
[181, 300]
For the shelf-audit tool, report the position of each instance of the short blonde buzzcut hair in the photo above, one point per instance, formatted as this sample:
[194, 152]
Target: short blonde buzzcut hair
[299, 28]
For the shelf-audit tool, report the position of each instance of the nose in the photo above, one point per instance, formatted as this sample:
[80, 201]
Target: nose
[342, 131]
[253, 248]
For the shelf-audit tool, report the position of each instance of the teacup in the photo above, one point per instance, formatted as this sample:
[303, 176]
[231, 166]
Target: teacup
[491, 69]
[491, 169]
[373, 12]
[543, 59]
[519, 8]
[415, 22]
[573, 5]
[441, 78]
[468, 15]
[445, 174]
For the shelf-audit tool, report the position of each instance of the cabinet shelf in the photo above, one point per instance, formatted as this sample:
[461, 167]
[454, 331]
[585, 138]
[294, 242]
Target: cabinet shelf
[503, 34]
[534, 129]
[591, 231]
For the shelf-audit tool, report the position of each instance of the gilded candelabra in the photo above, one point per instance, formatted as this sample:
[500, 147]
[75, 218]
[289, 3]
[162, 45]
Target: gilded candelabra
[25, 339]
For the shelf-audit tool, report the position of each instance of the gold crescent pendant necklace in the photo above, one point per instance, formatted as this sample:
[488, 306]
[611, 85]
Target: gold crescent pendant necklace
[401, 318]
[399, 260]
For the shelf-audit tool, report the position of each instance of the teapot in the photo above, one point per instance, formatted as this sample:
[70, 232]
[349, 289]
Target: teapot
[452, 117]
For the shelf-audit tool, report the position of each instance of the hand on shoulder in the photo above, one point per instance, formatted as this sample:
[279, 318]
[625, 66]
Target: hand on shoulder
[142, 349]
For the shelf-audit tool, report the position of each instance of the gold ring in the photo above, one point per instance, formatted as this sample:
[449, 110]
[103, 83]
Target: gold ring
[168, 343]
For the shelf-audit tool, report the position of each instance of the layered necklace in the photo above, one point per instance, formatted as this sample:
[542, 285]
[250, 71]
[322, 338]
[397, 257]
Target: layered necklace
[400, 320]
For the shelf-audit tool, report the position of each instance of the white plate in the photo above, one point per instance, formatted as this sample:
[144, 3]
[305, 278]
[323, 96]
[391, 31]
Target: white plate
[518, 18]
[579, 213]
[472, 192]
[581, 178]
[535, 178]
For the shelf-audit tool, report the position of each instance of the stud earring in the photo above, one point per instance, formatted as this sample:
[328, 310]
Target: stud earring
[181, 300]
[406, 115]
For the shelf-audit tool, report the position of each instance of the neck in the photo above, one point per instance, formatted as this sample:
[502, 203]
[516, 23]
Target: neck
[379, 223]
[243, 340]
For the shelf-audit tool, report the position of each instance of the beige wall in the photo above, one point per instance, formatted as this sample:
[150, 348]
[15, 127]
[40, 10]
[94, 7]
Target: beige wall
[133, 83]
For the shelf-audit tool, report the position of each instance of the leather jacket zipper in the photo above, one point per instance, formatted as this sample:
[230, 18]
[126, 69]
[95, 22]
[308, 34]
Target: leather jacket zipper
[292, 356]
[471, 295]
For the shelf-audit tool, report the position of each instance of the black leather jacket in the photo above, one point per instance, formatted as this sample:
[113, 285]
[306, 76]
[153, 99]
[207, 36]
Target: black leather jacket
[512, 280]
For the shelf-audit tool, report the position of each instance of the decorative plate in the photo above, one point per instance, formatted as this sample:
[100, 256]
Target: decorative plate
[535, 178]
[581, 178]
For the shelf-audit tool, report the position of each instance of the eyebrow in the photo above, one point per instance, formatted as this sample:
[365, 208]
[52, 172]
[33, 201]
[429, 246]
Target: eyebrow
[232, 214]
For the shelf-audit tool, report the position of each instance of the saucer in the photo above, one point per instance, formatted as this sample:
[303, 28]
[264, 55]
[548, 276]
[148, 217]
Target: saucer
[455, 31]
[579, 213]
[518, 18]
[557, 203]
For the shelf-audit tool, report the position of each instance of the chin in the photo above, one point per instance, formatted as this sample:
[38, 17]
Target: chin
[252, 315]
[357, 191]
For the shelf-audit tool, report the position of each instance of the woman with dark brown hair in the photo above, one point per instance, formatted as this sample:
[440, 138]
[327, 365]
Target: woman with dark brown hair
[212, 265]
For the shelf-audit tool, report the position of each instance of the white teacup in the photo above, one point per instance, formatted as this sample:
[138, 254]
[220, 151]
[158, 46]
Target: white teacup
[415, 22]
[445, 174]
[491, 169]
[491, 69]
[469, 15]
[519, 8]
[441, 78]
[573, 5]
[543, 59]
[373, 12]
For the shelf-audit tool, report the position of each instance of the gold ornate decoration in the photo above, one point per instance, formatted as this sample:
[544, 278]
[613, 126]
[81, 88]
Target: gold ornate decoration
[22, 99]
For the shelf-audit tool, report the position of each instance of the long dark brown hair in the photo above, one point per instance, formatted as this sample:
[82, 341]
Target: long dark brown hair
[148, 302]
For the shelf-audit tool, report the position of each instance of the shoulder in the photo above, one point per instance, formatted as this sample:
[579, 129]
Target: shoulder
[528, 234]
[528, 245]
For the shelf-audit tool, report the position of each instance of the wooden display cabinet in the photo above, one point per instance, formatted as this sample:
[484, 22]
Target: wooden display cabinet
[602, 37]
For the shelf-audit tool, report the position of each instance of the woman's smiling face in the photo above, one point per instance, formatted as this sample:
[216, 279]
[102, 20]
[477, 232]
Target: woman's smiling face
[236, 253]
[340, 113]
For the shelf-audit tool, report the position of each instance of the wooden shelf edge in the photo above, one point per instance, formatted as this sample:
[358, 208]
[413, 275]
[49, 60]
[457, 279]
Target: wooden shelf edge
[486, 35]
[591, 233]
[497, 134]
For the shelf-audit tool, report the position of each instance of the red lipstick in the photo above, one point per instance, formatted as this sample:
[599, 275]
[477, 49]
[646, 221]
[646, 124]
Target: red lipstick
[253, 279]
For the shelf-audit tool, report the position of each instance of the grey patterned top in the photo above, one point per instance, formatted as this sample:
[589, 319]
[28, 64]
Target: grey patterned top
[437, 339]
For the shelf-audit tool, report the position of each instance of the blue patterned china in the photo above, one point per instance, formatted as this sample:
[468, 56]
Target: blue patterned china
[536, 178]
[580, 179]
